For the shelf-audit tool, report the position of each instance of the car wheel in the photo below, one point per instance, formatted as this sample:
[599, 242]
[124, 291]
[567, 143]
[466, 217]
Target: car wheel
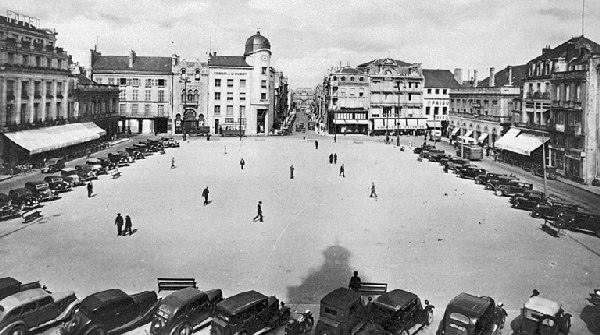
[429, 317]
[185, 330]
[404, 332]
[476, 180]
[499, 193]
[18, 330]
[96, 331]
[536, 214]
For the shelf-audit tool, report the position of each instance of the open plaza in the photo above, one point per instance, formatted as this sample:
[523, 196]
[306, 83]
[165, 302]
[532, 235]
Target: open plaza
[427, 232]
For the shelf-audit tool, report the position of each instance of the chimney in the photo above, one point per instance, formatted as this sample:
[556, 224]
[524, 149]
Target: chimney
[131, 58]
[475, 82]
[458, 75]
[215, 54]
[88, 73]
[174, 60]
[510, 76]
[492, 79]
[546, 49]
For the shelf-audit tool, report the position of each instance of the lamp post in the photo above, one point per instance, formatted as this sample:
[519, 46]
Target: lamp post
[184, 78]
[398, 119]
[240, 121]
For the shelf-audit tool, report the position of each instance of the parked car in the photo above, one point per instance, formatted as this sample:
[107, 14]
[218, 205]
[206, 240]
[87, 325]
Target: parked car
[470, 171]
[530, 200]
[32, 309]
[53, 165]
[10, 286]
[170, 142]
[86, 172]
[553, 210]
[436, 155]
[457, 163]
[423, 147]
[495, 182]
[180, 312]
[111, 311]
[23, 199]
[104, 161]
[472, 315]
[550, 171]
[512, 187]
[71, 176]
[58, 184]
[399, 311]
[341, 311]
[142, 148]
[580, 221]
[543, 316]
[247, 313]
[485, 178]
[7, 209]
[118, 160]
[135, 153]
[41, 190]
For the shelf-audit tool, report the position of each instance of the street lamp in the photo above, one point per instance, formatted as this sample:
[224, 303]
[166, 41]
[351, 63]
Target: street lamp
[184, 78]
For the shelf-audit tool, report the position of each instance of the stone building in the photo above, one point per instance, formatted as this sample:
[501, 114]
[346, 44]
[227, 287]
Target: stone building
[281, 90]
[396, 96]
[190, 98]
[347, 101]
[436, 97]
[303, 100]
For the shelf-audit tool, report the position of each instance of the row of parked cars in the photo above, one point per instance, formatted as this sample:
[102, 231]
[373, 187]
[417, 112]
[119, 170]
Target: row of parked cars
[343, 311]
[522, 195]
[49, 188]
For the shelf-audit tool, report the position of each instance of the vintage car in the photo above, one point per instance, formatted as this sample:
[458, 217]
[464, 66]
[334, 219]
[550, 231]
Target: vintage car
[543, 316]
[512, 187]
[485, 178]
[155, 144]
[580, 221]
[23, 199]
[341, 312]
[111, 311]
[550, 171]
[10, 286]
[135, 153]
[57, 183]
[182, 311]
[71, 176]
[436, 155]
[7, 209]
[104, 161]
[247, 313]
[53, 165]
[553, 210]
[86, 172]
[456, 163]
[143, 148]
[170, 142]
[41, 190]
[28, 310]
[118, 159]
[399, 311]
[472, 315]
[529, 200]
[470, 171]
[423, 147]
[494, 182]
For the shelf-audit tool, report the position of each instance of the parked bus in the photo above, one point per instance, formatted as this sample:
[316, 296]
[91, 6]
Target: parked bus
[471, 152]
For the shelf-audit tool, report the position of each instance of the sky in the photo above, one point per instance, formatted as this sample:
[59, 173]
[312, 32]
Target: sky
[308, 37]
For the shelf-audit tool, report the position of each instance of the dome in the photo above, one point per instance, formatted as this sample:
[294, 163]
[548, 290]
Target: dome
[255, 43]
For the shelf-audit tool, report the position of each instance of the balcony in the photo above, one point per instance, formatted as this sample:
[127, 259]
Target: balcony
[536, 126]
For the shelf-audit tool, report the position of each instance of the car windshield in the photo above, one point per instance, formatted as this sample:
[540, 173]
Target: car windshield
[535, 316]
[41, 186]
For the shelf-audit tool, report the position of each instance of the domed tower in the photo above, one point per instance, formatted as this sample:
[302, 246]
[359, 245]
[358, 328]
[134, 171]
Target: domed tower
[258, 55]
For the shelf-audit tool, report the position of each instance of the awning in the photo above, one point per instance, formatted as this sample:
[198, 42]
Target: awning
[482, 137]
[350, 121]
[503, 142]
[468, 134]
[524, 144]
[454, 131]
[55, 137]
[434, 124]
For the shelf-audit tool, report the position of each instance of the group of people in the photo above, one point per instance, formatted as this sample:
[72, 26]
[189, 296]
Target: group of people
[333, 158]
[119, 223]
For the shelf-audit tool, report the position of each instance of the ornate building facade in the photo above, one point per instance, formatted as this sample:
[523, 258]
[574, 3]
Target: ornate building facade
[190, 93]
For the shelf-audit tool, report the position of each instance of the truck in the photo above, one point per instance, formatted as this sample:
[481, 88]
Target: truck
[470, 151]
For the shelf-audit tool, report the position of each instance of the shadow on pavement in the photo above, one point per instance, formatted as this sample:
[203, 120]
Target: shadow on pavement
[334, 272]
[591, 316]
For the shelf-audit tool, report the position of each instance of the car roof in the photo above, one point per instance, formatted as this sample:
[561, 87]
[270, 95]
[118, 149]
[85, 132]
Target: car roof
[53, 160]
[182, 297]
[3, 198]
[21, 191]
[98, 299]
[544, 306]
[341, 297]
[395, 300]
[239, 302]
[468, 305]
[22, 297]
[8, 281]
[37, 182]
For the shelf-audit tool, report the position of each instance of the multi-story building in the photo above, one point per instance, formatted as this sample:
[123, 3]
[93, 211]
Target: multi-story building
[303, 100]
[241, 89]
[560, 105]
[436, 97]
[320, 107]
[347, 101]
[396, 96]
[190, 98]
[34, 93]
[484, 111]
[281, 99]
[146, 87]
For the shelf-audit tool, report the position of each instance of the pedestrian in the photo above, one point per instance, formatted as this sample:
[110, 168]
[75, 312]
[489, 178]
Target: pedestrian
[355, 282]
[242, 163]
[487, 151]
[334, 158]
[205, 195]
[387, 139]
[373, 190]
[535, 293]
[292, 171]
[90, 189]
[225, 150]
[127, 225]
[342, 173]
[330, 158]
[172, 162]
[119, 224]
[259, 216]
[316, 145]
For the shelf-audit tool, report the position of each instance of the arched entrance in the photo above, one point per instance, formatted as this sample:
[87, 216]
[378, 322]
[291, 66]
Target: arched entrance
[189, 120]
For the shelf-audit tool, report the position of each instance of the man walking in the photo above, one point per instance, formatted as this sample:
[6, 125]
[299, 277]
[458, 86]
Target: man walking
[335, 158]
[316, 145]
[119, 224]
[373, 191]
[242, 163]
[127, 225]
[292, 171]
[330, 158]
[90, 189]
[172, 162]
[205, 195]
[259, 216]
[342, 173]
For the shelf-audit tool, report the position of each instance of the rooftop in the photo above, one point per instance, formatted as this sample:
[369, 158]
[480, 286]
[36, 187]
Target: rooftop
[228, 61]
[439, 79]
[383, 61]
[569, 49]
[501, 77]
[140, 64]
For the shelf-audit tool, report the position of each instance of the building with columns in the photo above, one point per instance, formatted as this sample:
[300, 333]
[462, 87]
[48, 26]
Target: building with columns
[190, 87]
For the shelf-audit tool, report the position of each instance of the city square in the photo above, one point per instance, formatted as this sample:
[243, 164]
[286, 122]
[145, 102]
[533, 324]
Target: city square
[428, 232]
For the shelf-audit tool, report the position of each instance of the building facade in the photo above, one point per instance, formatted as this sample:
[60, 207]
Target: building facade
[396, 96]
[347, 101]
[281, 90]
[190, 95]
[146, 89]
[303, 100]
[436, 97]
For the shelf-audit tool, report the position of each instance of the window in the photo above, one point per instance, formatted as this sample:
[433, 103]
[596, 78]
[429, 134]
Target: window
[578, 92]
[147, 109]
[242, 83]
[229, 96]
[59, 64]
[437, 91]
[352, 91]
[429, 91]
[122, 81]
[342, 92]
[264, 70]
[229, 111]
[136, 82]
[121, 108]
[49, 62]
[161, 83]
[161, 110]
[122, 95]
[334, 78]
[59, 89]
[243, 111]
[27, 308]
[263, 96]
[229, 120]
[134, 108]
[111, 81]
[427, 110]
[161, 95]
[135, 95]
[217, 110]
[263, 84]
[444, 91]
[242, 96]
[11, 58]
[217, 82]
[148, 82]
[361, 92]
[343, 79]
[229, 82]
[25, 60]
[217, 95]
[148, 95]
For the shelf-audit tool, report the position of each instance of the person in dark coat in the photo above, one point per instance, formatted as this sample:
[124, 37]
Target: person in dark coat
[242, 163]
[90, 189]
[128, 225]
[355, 282]
[291, 171]
[172, 162]
[205, 195]
[316, 144]
[330, 158]
[119, 224]
[342, 171]
[259, 216]
[334, 158]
